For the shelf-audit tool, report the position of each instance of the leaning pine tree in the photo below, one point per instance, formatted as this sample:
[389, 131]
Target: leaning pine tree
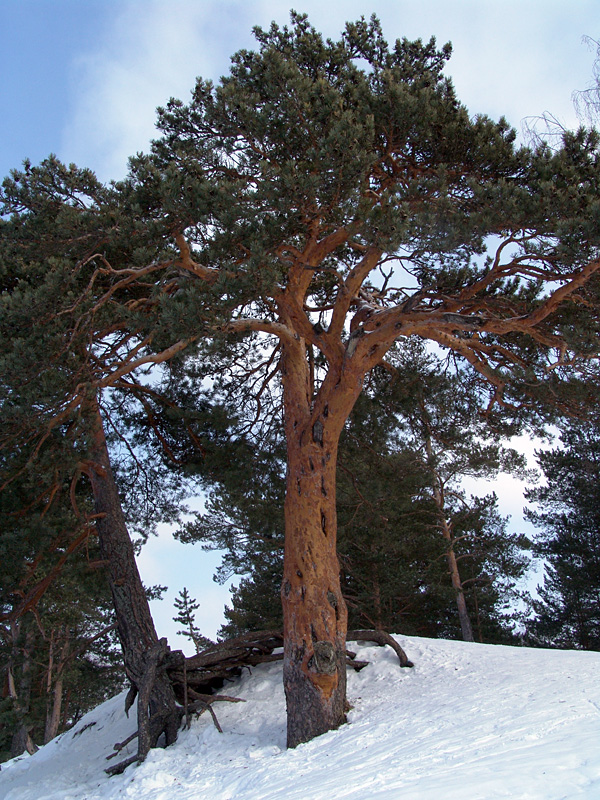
[59, 348]
[325, 199]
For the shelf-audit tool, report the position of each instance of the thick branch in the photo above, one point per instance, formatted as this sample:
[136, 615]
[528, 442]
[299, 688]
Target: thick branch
[187, 262]
[349, 290]
[244, 325]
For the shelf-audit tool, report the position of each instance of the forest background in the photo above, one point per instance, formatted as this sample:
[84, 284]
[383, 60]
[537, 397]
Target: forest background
[85, 80]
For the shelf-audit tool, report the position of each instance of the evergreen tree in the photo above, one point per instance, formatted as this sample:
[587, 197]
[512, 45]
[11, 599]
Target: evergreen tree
[567, 613]
[57, 640]
[324, 200]
[441, 422]
[186, 606]
[59, 342]
[388, 549]
[301, 195]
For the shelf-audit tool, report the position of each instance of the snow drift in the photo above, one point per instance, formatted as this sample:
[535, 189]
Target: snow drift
[468, 721]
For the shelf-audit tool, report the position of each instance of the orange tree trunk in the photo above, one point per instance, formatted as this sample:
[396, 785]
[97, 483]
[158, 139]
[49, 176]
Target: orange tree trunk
[314, 611]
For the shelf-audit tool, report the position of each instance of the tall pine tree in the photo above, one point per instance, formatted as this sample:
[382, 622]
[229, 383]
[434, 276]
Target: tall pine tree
[567, 612]
[324, 200]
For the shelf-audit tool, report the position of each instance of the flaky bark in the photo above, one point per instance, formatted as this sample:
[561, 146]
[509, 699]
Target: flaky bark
[314, 611]
[135, 626]
[315, 617]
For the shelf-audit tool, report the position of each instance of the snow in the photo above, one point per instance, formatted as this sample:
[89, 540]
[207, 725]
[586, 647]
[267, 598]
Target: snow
[469, 720]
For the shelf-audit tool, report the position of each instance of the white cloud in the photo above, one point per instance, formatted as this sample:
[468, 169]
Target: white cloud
[510, 58]
[153, 51]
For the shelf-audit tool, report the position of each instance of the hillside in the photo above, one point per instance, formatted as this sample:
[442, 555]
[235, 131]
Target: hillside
[468, 721]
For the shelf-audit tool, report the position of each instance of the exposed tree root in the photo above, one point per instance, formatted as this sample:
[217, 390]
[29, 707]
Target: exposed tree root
[210, 669]
[381, 638]
[195, 679]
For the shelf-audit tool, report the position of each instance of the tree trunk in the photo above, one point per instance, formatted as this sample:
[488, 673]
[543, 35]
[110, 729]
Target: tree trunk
[461, 604]
[20, 697]
[438, 495]
[53, 718]
[66, 707]
[135, 626]
[477, 614]
[314, 611]
[378, 621]
[55, 693]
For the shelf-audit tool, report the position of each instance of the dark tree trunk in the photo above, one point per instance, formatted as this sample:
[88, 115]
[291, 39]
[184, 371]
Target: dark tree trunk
[21, 695]
[135, 625]
[477, 614]
[376, 587]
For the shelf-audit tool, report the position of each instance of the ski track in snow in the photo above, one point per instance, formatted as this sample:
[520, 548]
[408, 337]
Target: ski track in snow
[468, 721]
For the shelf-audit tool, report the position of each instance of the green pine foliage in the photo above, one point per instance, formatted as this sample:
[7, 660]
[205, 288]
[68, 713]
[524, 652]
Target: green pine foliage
[186, 607]
[58, 649]
[62, 655]
[389, 551]
[567, 611]
[439, 420]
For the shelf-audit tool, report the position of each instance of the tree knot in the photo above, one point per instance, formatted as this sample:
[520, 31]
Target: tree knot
[323, 659]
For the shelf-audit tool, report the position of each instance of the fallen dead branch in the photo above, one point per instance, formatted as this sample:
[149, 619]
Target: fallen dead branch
[196, 679]
[210, 669]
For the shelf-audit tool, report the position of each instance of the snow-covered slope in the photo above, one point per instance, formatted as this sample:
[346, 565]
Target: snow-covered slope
[468, 721]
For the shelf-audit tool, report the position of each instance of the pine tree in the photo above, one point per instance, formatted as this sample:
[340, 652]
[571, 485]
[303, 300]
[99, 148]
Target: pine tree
[59, 341]
[186, 606]
[567, 613]
[57, 640]
[441, 422]
[388, 549]
[324, 200]
[295, 194]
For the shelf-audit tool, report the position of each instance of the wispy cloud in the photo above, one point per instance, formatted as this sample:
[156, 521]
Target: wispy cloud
[510, 58]
[153, 51]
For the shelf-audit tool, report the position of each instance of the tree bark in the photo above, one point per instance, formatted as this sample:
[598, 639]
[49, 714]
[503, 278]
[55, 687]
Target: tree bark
[21, 739]
[314, 611]
[135, 626]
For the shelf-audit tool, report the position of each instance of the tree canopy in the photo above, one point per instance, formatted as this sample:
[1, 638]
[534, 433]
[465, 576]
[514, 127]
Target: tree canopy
[291, 223]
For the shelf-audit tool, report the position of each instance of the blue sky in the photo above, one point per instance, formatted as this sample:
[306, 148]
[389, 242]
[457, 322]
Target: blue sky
[82, 79]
